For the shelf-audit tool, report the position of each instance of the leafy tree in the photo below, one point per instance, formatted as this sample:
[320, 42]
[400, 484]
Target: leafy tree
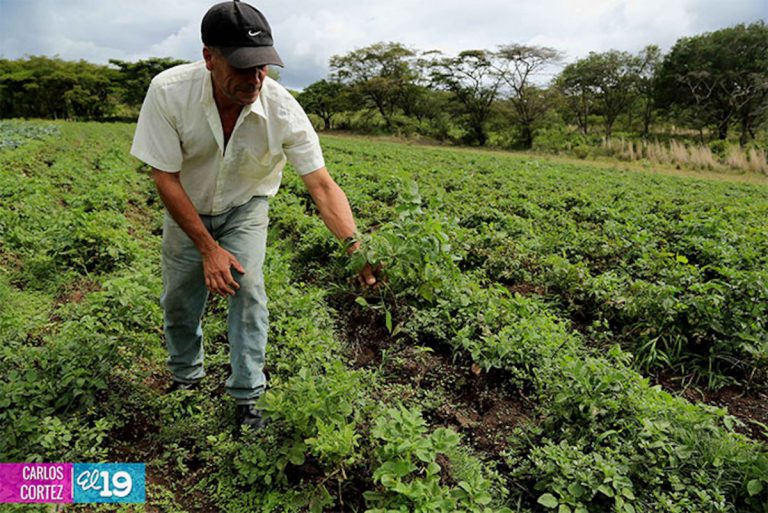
[382, 75]
[324, 99]
[517, 65]
[474, 82]
[52, 88]
[575, 88]
[719, 78]
[134, 77]
[602, 81]
[648, 61]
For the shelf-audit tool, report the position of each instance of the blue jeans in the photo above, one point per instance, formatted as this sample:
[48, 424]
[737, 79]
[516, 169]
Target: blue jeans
[243, 232]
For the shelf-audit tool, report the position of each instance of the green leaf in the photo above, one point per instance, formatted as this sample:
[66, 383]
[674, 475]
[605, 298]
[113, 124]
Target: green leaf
[754, 487]
[388, 321]
[627, 492]
[296, 453]
[400, 468]
[548, 501]
[426, 291]
[576, 490]
[360, 300]
[605, 490]
[433, 469]
[683, 452]
[357, 261]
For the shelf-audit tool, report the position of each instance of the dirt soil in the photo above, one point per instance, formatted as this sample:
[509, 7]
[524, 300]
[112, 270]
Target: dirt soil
[483, 406]
[137, 441]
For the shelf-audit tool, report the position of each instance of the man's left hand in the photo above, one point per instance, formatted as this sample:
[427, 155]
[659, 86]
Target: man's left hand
[369, 275]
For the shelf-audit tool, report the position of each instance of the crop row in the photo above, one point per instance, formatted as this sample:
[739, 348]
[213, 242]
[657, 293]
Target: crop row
[83, 352]
[603, 438]
[672, 269]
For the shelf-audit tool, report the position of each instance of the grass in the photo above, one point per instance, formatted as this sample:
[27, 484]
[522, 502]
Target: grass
[717, 173]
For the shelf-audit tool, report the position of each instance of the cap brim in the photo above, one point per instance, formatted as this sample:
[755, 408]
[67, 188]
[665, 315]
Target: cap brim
[250, 56]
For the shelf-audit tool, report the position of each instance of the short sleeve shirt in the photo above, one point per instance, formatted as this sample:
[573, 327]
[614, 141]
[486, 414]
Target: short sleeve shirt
[179, 131]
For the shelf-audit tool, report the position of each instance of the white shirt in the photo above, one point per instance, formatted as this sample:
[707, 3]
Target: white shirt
[179, 130]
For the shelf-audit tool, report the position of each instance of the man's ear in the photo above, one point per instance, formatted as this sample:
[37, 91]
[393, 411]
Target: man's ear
[208, 56]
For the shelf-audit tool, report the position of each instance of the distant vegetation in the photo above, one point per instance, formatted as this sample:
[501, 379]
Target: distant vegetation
[703, 105]
[45, 87]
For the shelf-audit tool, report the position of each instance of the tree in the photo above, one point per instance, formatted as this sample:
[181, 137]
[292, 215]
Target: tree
[648, 61]
[719, 78]
[605, 81]
[474, 82]
[575, 86]
[322, 98]
[52, 88]
[134, 77]
[381, 73]
[517, 65]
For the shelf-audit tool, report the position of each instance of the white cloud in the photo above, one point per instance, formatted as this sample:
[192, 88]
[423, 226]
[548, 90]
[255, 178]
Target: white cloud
[308, 33]
[180, 44]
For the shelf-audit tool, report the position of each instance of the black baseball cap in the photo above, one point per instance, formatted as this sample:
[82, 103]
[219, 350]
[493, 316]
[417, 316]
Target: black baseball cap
[241, 33]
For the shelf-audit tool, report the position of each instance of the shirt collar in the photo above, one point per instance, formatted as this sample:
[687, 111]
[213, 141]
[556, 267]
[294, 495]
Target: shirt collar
[206, 94]
[257, 107]
[206, 97]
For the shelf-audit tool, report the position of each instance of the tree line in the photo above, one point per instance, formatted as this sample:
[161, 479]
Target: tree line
[48, 87]
[710, 85]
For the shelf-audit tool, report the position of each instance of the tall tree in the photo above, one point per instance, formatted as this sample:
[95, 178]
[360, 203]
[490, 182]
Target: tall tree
[605, 80]
[719, 78]
[575, 87]
[382, 74]
[517, 65]
[134, 77]
[474, 82]
[323, 99]
[648, 62]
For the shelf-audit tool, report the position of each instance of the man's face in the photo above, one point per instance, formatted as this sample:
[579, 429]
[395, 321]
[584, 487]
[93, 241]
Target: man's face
[236, 86]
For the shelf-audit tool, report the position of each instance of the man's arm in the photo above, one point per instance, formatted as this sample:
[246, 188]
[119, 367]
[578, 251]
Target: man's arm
[217, 262]
[335, 211]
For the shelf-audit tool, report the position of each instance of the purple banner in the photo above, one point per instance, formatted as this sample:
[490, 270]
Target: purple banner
[36, 482]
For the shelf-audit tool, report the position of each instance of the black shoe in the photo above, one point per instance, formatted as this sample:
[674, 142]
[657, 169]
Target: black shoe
[179, 385]
[250, 416]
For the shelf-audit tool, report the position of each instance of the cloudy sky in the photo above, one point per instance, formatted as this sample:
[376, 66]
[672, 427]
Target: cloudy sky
[307, 33]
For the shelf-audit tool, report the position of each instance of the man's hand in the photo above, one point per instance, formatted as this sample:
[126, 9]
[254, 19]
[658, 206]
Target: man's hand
[337, 215]
[217, 265]
[369, 275]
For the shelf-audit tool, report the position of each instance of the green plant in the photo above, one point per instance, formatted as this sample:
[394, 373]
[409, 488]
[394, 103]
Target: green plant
[414, 469]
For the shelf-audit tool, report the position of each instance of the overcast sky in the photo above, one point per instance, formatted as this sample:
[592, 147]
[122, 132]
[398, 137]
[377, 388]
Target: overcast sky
[307, 33]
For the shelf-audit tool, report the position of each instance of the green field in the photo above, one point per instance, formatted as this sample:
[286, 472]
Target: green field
[508, 361]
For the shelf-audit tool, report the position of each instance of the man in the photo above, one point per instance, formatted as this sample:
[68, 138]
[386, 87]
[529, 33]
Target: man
[217, 134]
